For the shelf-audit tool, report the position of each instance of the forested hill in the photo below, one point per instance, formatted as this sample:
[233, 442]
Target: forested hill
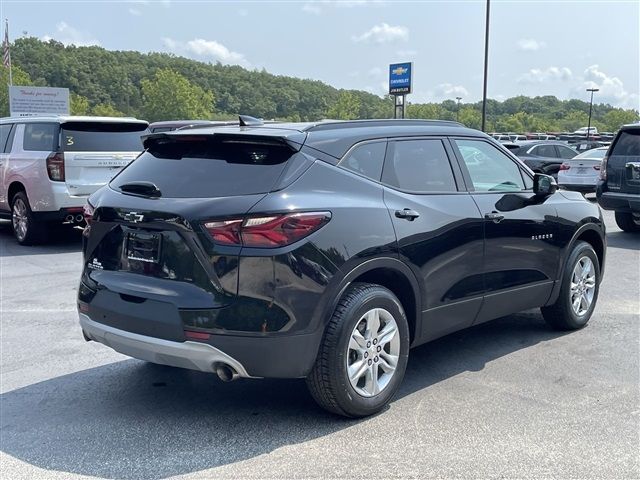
[160, 86]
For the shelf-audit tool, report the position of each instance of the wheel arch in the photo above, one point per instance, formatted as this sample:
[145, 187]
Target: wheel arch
[15, 187]
[390, 273]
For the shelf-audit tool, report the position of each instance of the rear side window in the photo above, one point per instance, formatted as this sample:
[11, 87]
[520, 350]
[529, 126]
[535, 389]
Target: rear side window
[420, 166]
[628, 144]
[40, 137]
[202, 167]
[366, 160]
[490, 169]
[566, 152]
[102, 137]
[5, 128]
[545, 151]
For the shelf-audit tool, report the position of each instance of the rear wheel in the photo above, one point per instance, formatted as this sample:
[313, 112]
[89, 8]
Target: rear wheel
[579, 290]
[363, 355]
[627, 222]
[26, 230]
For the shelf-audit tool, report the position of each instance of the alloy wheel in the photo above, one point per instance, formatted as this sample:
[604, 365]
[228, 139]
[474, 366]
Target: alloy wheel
[583, 286]
[20, 219]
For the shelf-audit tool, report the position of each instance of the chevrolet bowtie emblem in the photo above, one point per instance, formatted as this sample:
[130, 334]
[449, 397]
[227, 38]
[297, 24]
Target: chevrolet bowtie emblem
[134, 217]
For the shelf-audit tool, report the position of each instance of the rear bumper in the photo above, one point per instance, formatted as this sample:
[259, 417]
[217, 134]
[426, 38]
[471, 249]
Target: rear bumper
[191, 355]
[264, 356]
[578, 187]
[620, 202]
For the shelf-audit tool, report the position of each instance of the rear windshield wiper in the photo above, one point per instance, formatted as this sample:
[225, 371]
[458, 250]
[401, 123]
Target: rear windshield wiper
[145, 189]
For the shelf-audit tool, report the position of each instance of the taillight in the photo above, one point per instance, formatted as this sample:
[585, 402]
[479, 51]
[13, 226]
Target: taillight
[603, 168]
[564, 166]
[268, 231]
[87, 212]
[55, 166]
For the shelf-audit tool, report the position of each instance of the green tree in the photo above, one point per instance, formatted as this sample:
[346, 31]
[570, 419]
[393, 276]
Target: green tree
[169, 95]
[20, 78]
[613, 119]
[346, 107]
[79, 104]
[106, 110]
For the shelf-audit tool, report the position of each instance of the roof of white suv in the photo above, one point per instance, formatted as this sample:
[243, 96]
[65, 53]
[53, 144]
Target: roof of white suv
[72, 118]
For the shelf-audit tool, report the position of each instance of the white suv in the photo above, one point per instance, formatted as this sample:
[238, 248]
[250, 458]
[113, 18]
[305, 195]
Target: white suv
[49, 165]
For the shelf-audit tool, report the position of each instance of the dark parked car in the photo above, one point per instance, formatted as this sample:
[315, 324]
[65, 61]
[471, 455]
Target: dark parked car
[327, 250]
[543, 156]
[619, 185]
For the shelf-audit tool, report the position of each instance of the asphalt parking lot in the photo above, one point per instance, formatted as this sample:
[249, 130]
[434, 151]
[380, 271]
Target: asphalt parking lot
[510, 398]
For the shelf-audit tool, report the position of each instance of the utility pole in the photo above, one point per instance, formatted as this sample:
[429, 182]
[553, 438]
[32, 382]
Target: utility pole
[486, 66]
[458, 109]
[592, 90]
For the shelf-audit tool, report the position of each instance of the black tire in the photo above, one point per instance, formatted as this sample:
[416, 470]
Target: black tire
[626, 223]
[561, 315]
[34, 232]
[328, 381]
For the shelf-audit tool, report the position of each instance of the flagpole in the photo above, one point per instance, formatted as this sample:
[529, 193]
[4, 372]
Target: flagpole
[7, 51]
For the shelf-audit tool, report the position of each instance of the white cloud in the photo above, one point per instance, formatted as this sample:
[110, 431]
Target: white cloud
[375, 72]
[383, 33]
[68, 35]
[530, 45]
[207, 48]
[135, 12]
[243, 12]
[612, 89]
[448, 90]
[550, 74]
[407, 53]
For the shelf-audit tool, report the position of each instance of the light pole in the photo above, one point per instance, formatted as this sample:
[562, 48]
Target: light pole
[458, 109]
[486, 66]
[590, 107]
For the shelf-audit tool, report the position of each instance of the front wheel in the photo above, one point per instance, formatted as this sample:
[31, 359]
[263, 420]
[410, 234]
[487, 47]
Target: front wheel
[364, 352]
[579, 291]
[627, 222]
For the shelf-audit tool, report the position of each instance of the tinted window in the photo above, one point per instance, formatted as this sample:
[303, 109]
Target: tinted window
[161, 129]
[566, 152]
[40, 137]
[628, 143]
[366, 159]
[544, 151]
[595, 153]
[420, 166]
[5, 128]
[102, 137]
[490, 169]
[201, 167]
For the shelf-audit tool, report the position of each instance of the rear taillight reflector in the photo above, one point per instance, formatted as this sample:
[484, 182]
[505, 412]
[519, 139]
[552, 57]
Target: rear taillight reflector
[564, 166]
[266, 232]
[191, 335]
[55, 166]
[87, 212]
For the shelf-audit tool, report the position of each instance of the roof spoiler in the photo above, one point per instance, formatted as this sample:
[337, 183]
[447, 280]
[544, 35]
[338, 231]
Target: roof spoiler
[247, 121]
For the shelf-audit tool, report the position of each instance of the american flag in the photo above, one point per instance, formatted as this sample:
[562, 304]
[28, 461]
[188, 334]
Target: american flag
[6, 56]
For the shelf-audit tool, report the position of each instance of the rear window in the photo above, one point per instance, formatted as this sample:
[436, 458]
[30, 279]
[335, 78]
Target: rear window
[203, 167]
[628, 143]
[40, 137]
[102, 137]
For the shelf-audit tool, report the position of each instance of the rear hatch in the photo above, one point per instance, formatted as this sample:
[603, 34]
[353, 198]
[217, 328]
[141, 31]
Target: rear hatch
[623, 162]
[147, 237]
[95, 151]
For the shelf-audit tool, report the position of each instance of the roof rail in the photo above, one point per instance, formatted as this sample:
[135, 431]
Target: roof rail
[338, 124]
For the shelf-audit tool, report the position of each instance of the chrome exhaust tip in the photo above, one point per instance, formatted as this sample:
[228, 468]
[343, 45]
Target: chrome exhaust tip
[79, 218]
[68, 218]
[225, 372]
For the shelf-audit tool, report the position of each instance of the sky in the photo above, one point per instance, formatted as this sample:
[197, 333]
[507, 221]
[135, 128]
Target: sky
[536, 47]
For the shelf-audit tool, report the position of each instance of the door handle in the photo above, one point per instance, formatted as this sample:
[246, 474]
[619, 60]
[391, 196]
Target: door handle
[407, 214]
[494, 216]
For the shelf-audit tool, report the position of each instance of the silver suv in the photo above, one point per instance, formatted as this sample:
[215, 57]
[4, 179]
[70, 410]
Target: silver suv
[50, 165]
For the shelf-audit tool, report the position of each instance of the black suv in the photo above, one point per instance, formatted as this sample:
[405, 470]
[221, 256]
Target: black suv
[327, 250]
[619, 185]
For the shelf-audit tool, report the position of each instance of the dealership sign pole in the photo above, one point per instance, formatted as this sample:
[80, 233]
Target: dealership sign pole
[400, 83]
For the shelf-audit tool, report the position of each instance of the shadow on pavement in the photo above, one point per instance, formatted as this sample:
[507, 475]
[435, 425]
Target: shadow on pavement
[132, 420]
[62, 239]
[630, 241]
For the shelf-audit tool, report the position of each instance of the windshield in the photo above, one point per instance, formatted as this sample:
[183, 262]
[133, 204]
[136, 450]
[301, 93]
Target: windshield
[596, 154]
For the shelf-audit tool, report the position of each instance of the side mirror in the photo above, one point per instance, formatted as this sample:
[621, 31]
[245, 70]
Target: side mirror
[544, 185]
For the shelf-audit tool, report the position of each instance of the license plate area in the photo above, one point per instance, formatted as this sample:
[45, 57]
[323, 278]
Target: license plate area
[143, 246]
[582, 171]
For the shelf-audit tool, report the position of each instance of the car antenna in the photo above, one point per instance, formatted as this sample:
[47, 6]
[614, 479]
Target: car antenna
[247, 121]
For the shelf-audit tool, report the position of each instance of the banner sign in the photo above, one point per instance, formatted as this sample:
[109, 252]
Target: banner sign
[400, 78]
[30, 101]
